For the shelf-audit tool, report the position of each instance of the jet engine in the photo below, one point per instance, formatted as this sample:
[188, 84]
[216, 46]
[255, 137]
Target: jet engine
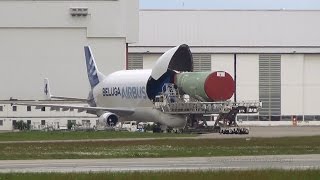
[109, 118]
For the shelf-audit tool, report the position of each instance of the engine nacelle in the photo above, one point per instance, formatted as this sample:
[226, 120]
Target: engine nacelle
[109, 118]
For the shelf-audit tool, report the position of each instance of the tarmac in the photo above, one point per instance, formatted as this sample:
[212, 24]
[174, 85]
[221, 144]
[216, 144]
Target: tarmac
[289, 162]
[271, 131]
[259, 132]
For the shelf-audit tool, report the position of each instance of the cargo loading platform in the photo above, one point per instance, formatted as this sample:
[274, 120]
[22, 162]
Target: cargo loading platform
[171, 102]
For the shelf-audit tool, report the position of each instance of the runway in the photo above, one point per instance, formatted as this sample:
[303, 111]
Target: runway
[164, 164]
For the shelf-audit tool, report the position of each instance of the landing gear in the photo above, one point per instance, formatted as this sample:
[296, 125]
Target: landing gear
[234, 130]
[226, 122]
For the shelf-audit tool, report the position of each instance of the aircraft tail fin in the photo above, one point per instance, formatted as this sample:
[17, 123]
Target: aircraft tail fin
[46, 90]
[94, 75]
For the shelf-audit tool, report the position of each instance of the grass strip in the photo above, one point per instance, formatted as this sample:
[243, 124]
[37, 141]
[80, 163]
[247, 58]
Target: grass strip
[77, 135]
[161, 148]
[183, 175]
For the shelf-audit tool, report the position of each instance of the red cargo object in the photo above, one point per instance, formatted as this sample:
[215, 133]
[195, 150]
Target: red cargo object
[219, 86]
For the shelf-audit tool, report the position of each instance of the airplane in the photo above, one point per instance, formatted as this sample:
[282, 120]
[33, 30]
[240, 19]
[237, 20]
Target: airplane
[130, 94]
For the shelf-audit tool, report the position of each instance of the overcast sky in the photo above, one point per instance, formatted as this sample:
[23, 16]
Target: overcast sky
[229, 4]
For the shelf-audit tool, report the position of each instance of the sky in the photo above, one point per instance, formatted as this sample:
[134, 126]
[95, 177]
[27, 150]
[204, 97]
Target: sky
[230, 4]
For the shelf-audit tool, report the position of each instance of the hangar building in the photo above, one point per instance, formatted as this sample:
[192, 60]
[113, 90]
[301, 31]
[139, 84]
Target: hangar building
[40, 38]
[274, 55]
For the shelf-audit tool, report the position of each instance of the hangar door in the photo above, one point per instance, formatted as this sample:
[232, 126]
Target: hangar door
[270, 86]
[135, 61]
[201, 62]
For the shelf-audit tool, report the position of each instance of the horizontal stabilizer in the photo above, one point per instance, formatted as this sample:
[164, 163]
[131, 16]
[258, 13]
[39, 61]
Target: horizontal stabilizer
[49, 96]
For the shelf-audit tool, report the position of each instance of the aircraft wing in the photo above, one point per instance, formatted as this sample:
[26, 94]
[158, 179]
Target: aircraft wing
[91, 110]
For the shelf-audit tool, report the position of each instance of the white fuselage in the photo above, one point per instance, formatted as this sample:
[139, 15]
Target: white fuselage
[127, 89]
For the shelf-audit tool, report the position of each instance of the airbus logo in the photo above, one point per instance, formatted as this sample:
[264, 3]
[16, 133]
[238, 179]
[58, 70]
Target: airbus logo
[129, 92]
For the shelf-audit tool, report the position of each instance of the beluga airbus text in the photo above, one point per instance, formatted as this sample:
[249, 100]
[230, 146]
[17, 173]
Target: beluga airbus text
[131, 94]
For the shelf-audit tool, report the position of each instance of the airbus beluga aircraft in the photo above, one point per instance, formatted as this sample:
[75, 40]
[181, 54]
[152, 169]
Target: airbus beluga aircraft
[129, 94]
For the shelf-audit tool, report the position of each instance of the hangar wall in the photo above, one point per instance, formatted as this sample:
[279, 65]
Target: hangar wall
[292, 83]
[311, 84]
[247, 79]
[42, 39]
[149, 60]
[222, 28]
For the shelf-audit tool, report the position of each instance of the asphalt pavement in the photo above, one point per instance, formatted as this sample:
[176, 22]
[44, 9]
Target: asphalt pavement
[311, 161]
